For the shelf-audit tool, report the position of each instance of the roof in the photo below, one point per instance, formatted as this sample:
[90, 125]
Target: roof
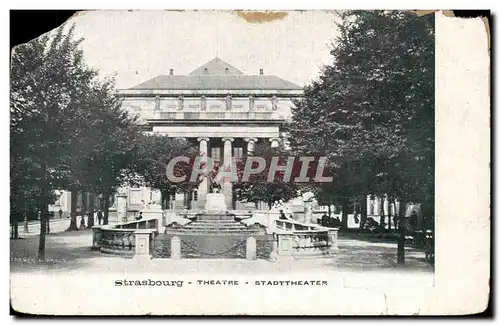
[216, 67]
[218, 75]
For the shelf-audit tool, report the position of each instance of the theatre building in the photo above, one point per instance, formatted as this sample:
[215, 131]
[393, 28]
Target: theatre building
[217, 107]
[225, 113]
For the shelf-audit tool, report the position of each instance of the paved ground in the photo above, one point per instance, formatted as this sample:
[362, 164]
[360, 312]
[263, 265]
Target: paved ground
[71, 251]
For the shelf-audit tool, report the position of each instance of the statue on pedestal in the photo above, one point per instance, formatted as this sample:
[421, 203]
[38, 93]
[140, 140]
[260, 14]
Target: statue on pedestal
[215, 187]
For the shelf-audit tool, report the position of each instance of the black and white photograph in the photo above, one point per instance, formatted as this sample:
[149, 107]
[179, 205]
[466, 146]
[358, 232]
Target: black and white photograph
[205, 157]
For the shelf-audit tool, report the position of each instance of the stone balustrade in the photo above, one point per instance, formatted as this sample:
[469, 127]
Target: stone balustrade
[152, 223]
[226, 115]
[122, 238]
[113, 240]
[295, 239]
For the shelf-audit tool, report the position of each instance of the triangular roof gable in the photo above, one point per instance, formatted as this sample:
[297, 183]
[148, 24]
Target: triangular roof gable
[216, 67]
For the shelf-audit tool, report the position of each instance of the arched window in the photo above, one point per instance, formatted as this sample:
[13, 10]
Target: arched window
[203, 103]
[274, 102]
[229, 103]
[181, 103]
[251, 102]
[157, 102]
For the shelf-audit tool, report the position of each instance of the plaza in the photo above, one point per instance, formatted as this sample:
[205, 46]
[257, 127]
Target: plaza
[70, 251]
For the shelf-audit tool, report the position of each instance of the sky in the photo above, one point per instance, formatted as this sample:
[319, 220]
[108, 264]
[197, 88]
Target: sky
[140, 45]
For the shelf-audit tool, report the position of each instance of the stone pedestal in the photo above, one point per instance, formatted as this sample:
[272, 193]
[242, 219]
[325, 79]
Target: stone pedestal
[285, 245]
[175, 248]
[216, 202]
[274, 256]
[121, 207]
[251, 249]
[143, 243]
[96, 238]
[333, 241]
[308, 215]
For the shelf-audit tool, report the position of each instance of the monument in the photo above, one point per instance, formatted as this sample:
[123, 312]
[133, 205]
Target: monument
[215, 203]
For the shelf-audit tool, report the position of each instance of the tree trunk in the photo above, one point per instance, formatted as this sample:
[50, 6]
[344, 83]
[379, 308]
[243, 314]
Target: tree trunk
[329, 211]
[401, 239]
[345, 206]
[48, 224]
[43, 228]
[74, 199]
[90, 220]
[106, 208]
[389, 223]
[85, 203]
[364, 212]
[382, 212]
[16, 230]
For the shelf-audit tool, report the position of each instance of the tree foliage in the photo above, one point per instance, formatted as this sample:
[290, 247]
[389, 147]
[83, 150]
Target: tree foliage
[67, 126]
[258, 187]
[155, 154]
[371, 112]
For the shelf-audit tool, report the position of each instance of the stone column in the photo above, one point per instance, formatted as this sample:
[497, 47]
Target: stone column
[376, 206]
[203, 187]
[121, 207]
[387, 213]
[397, 204]
[227, 186]
[250, 145]
[275, 142]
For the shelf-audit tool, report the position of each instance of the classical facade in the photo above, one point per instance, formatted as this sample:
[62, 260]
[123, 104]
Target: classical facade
[225, 113]
[217, 107]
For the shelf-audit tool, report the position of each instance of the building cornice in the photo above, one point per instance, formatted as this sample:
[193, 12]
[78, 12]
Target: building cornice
[158, 122]
[213, 93]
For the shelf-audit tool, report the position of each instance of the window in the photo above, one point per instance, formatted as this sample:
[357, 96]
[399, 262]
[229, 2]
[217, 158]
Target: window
[229, 102]
[195, 195]
[274, 102]
[180, 103]
[251, 102]
[238, 153]
[203, 103]
[216, 154]
[157, 102]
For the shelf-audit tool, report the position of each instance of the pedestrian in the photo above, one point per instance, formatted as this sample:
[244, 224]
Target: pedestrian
[139, 217]
[99, 216]
[60, 213]
[82, 223]
[282, 215]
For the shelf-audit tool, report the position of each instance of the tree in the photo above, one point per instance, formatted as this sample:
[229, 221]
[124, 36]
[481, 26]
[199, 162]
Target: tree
[113, 146]
[65, 124]
[372, 111]
[47, 74]
[155, 153]
[258, 187]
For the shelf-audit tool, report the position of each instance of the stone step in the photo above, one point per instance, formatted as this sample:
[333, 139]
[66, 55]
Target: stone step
[217, 221]
[215, 217]
[210, 225]
[210, 231]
